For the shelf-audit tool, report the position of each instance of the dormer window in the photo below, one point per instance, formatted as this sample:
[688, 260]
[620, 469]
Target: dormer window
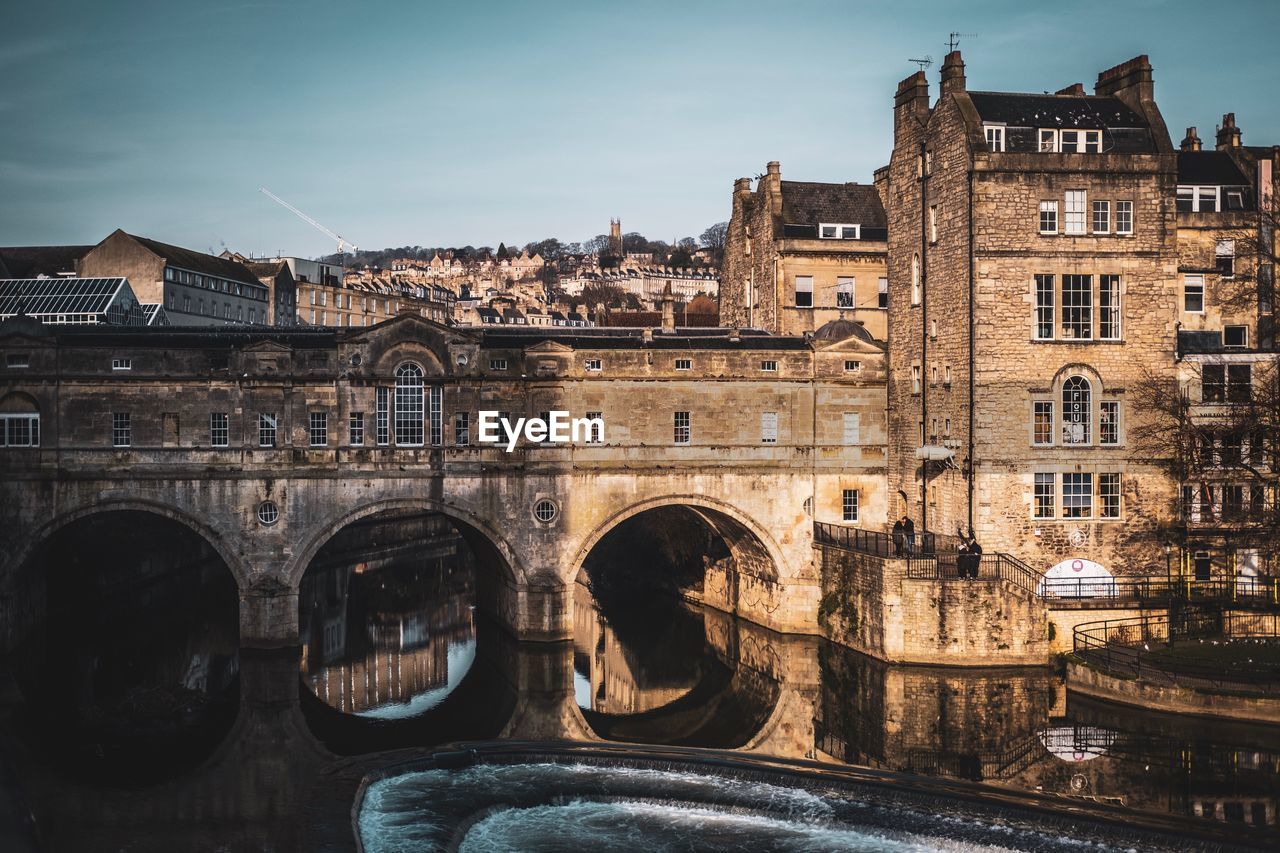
[995, 136]
[839, 231]
[1197, 199]
[1053, 140]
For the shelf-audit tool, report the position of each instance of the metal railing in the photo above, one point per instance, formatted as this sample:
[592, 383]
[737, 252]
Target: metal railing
[1161, 591]
[981, 567]
[877, 542]
[1146, 647]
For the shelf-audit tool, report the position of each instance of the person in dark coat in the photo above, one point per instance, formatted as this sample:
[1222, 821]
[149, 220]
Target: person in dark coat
[899, 537]
[909, 530]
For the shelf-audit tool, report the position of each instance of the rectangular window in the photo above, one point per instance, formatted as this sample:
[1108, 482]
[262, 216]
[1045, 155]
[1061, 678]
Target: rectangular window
[882, 296]
[1109, 307]
[1074, 215]
[1109, 424]
[593, 364]
[1077, 495]
[355, 429]
[1124, 217]
[1080, 141]
[852, 366]
[1239, 383]
[1048, 140]
[1044, 496]
[435, 396]
[318, 428]
[1048, 217]
[844, 291]
[684, 364]
[497, 364]
[122, 364]
[804, 291]
[682, 432]
[768, 427]
[219, 429]
[1193, 199]
[19, 430]
[915, 379]
[852, 428]
[933, 223]
[266, 429]
[596, 436]
[1077, 306]
[1224, 252]
[382, 416]
[15, 359]
[769, 366]
[1109, 495]
[849, 505]
[121, 429]
[1193, 294]
[408, 414]
[1102, 217]
[1043, 427]
[1235, 336]
[462, 428]
[1044, 307]
[995, 137]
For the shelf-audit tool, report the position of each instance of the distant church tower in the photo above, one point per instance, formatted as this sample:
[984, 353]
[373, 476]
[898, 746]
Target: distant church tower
[615, 237]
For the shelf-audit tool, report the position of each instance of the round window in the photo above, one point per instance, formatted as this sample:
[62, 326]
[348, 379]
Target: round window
[268, 512]
[544, 510]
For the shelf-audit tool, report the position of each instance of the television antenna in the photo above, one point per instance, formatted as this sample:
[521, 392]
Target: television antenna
[923, 63]
[954, 41]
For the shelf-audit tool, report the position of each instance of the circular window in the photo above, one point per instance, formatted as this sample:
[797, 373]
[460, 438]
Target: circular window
[355, 359]
[268, 512]
[545, 510]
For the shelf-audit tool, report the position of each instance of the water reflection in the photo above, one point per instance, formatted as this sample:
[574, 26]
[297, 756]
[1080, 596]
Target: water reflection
[386, 616]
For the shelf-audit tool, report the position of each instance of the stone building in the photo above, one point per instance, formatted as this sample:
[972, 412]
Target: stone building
[1033, 285]
[799, 254]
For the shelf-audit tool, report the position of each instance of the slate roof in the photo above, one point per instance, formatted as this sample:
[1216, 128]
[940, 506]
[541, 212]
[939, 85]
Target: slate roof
[193, 261]
[35, 261]
[1209, 168]
[809, 203]
[1027, 110]
[622, 338]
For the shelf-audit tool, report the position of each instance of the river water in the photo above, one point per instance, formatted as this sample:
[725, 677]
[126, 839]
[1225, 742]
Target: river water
[131, 721]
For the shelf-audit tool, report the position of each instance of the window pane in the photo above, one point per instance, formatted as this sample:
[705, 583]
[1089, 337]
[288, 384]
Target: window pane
[1044, 307]
[1077, 495]
[1109, 423]
[1077, 306]
[1075, 212]
[1109, 307]
[1043, 422]
[1048, 217]
[1109, 495]
[409, 405]
[1044, 496]
[1102, 217]
[1124, 217]
[1076, 413]
[1193, 293]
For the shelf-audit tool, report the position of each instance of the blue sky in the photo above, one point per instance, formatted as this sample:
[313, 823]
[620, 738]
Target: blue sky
[439, 124]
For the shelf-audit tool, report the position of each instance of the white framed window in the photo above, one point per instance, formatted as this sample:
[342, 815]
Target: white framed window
[20, 429]
[1045, 496]
[497, 364]
[1048, 140]
[435, 411]
[1077, 410]
[267, 429]
[318, 428]
[849, 505]
[1224, 255]
[121, 429]
[122, 364]
[1077, 307]
[683, 430]
[1045, 285]
[915, 279]
[382, 416]
[1080, 141]
[595, 434]
[852, 428]
[461, 429]
[1109, 422]
[768, 427]
[1077, 495]
[1108, 495]
[355, 429]
[684, 364]
[410, 390]
[1193, 294]
[1197, 199]
[769, 366]
[1074, 214]
[1109, 307]
[839, 231]
[1124, 217]
[804, 291]
[219, 429]
[852, 366]
[882, 292]
[1101, 217]
[915, 379]
[933, 223]
[844, 291]
[1048, 217]
[1042, 425]
[17, 360]
[1235, 336]
[995, 136]
[594, 365]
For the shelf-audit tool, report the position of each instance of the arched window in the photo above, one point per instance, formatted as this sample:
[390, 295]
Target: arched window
[915, 279]
[1077, 414]
[409, 405]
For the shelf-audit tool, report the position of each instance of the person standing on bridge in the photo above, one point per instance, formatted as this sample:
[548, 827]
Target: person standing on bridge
[909, 530]
[899, 537]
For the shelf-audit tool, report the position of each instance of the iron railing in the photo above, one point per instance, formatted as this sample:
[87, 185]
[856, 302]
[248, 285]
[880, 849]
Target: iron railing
[1140, 647]
[874, 542]
[1162, 591]
[981, 567]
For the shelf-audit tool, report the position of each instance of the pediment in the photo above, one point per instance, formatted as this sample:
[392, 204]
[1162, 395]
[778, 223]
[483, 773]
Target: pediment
[545, 347]
[267, 348]
[850, 344]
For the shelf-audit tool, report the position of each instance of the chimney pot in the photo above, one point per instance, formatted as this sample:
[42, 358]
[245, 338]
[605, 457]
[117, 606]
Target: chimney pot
[953, 73]
[1228, 134]
[1192, 141]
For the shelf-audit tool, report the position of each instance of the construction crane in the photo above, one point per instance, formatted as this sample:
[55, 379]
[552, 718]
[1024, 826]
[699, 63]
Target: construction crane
[343, 244]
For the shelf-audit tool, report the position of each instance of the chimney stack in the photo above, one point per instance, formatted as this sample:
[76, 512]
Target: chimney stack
[911, 104]
[1130, 81]
[1073, 89]
[1228, 134]
[668, 310]
[952, 73]
[1191, 142]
